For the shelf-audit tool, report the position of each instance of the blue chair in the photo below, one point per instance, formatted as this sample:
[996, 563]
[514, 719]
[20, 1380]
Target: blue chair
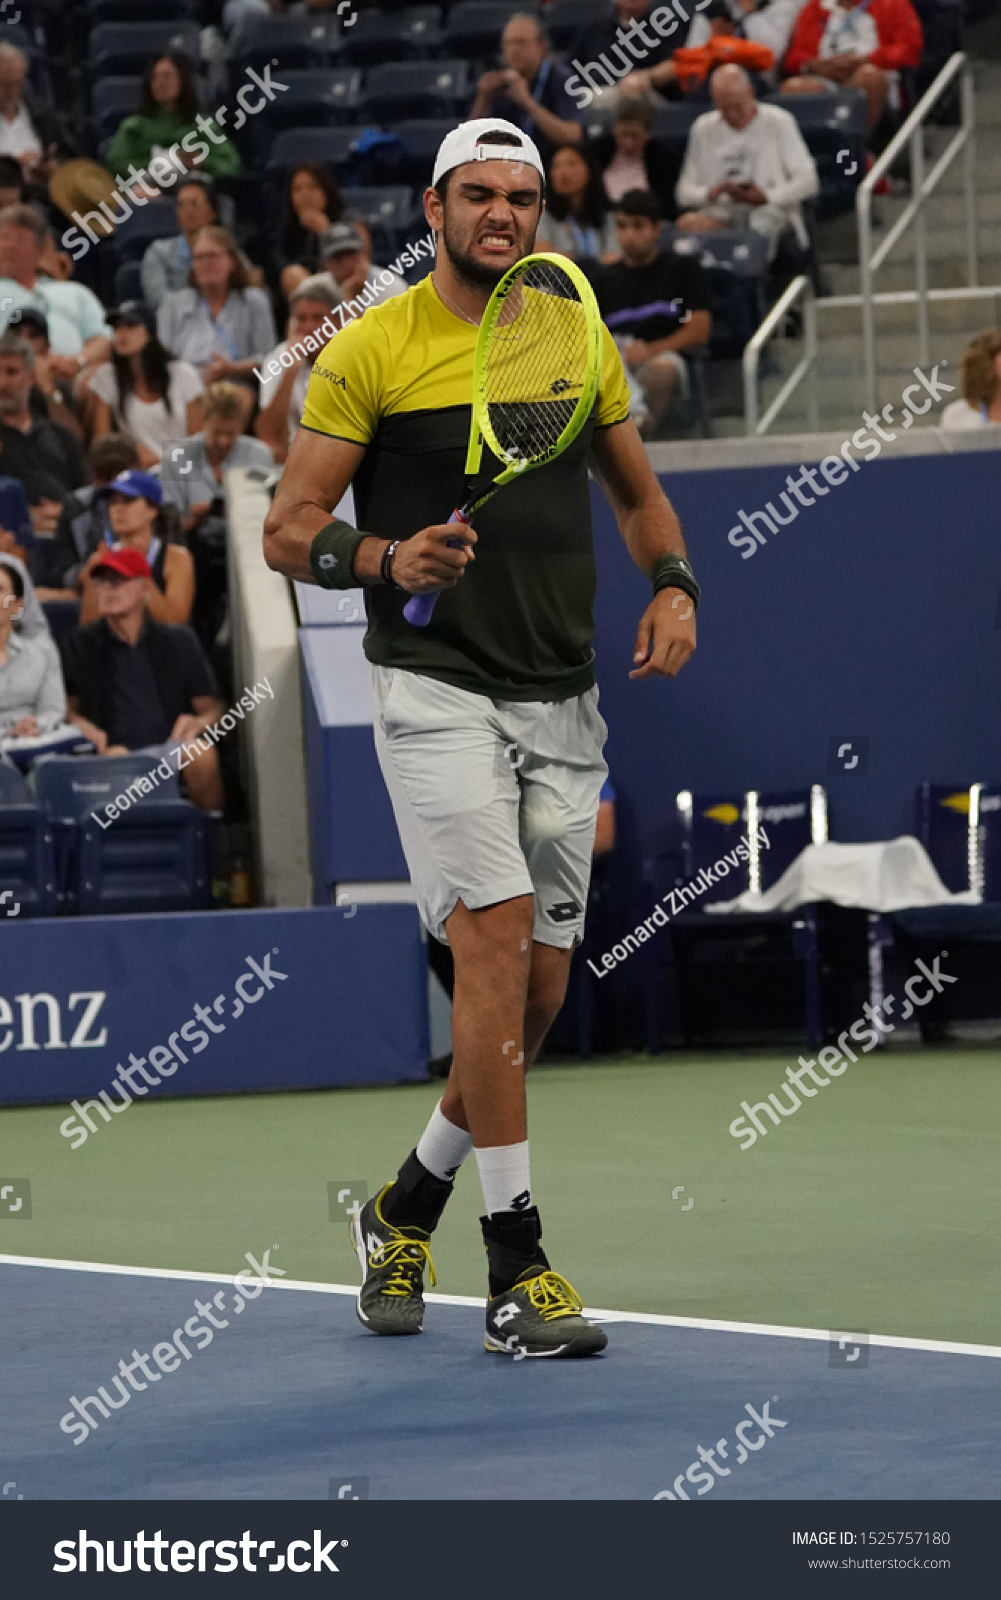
[296, 42]
[111, 101]
[831, 124]
[685, 967]
[333, 147]
[99, 11]
[118, 47]
[314, 99]
[474, 27]
[419, 140]
[27, 851]
[402, 89]
[15, 514]
[565, 18]
[385, 211]
[378, 36]
[155, 220]
[153, 857]
[735, 262]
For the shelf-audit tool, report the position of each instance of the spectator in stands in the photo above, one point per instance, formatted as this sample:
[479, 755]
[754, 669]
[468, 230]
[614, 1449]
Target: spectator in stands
[199, 494]
[32, 697]
[31, 133]
[604, 833]
[656, 304]
[166, 266]
[980, 371]
[11, 184]
[46, 458]
[312, 203]
[282, 398]
[631, 158]
[746, 166]
[136, 684]
[83, 521]
[839, 44]
[141, 390]
[168, 115]
[220, 325]
[77, 330]
[51, 396]
[134, 500]
[344, 253]
[16, 532]
[576, 221]
[725, 42]
[32, 619]
[623, 47]
[530, 88]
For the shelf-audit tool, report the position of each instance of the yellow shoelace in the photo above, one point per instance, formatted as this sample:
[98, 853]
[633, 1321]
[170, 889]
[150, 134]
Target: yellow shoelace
[552, 1296]
[407, 1257]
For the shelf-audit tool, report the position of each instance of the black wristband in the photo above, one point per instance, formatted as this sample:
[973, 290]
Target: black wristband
[332, 555]
[386, 564]
[674, 572]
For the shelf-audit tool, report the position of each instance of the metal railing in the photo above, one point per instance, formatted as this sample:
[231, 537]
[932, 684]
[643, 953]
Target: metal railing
[923, 186]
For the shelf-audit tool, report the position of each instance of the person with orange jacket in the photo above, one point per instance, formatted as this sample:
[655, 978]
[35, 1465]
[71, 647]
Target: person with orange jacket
[840, 44]
[693, 64]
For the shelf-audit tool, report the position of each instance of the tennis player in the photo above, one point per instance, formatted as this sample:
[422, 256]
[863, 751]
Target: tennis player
[486, 721]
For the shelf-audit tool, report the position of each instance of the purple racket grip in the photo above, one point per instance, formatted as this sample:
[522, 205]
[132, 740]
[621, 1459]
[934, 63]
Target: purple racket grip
[419, 608]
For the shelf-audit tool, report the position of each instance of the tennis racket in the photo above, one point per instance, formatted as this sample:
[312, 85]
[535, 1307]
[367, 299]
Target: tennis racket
[535, 378]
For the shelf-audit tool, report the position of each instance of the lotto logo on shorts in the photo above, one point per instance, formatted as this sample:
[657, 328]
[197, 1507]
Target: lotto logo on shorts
[566, 911]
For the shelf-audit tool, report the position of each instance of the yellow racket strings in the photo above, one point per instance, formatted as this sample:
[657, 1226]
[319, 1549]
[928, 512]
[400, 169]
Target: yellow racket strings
[537, 363]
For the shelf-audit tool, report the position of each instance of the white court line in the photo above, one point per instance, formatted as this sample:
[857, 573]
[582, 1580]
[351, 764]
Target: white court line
[769, 1330]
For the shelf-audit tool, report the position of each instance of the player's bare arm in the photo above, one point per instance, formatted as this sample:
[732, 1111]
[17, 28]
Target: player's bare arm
[318, 472]
[650, 528]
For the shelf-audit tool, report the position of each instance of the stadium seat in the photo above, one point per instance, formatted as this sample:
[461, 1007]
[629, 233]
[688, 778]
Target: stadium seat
[831, 124]
[419, 140]
[961, 831]
[735, 263]
[118, 47]
[474, 27]
[153, 857]
[111, 100]
[682, 969]
[565, 18]
[291, 42]
[313, 99]
[155, 220]
[403, 89]
[27, 851]
[99, 11]
[378, 36]
[294, 146]
[128, 282]
[385, 211]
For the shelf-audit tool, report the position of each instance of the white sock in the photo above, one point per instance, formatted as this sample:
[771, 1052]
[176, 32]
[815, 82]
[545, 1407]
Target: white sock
[443, 1147]
[505, 1176]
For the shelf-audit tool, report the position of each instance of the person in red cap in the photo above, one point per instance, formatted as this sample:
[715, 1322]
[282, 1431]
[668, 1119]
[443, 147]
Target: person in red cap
[136, 684]
[134, 513]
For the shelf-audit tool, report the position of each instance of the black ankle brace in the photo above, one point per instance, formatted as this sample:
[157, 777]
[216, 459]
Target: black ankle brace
[513, 1249]
[417, 1198]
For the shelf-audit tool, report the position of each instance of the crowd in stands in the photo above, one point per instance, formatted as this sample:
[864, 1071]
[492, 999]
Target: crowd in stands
[211, 347]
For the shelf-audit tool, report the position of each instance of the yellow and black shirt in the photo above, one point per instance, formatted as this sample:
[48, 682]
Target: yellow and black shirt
[519, 625]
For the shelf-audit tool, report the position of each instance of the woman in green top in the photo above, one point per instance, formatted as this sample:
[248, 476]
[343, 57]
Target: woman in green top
[168, 107]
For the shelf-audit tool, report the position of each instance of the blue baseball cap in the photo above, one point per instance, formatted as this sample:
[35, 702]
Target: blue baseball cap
[137, 485]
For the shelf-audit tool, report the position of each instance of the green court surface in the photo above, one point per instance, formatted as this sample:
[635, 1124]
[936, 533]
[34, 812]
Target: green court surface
[875, 1207]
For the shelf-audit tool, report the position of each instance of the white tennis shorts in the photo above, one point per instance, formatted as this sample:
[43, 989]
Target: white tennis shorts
[493, 798]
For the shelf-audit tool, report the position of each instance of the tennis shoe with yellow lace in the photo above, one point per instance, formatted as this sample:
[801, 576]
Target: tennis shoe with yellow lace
[392, 1263]
[541, 1316]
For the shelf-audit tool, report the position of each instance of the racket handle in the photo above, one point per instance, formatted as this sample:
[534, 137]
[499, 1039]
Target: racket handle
[420, 607]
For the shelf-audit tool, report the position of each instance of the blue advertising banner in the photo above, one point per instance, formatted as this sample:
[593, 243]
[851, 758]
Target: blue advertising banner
[209, 1003]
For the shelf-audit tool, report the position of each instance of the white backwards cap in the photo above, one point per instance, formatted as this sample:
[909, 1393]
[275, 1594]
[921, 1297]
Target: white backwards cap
[460, 146]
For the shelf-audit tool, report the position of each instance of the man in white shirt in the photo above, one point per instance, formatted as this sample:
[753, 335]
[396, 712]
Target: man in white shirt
[78, 334]
[32, 134]
[746, 166]
[771, 27]
[284, 383]
[345, 255]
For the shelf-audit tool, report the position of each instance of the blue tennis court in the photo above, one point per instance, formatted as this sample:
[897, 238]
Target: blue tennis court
[292, 1399]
